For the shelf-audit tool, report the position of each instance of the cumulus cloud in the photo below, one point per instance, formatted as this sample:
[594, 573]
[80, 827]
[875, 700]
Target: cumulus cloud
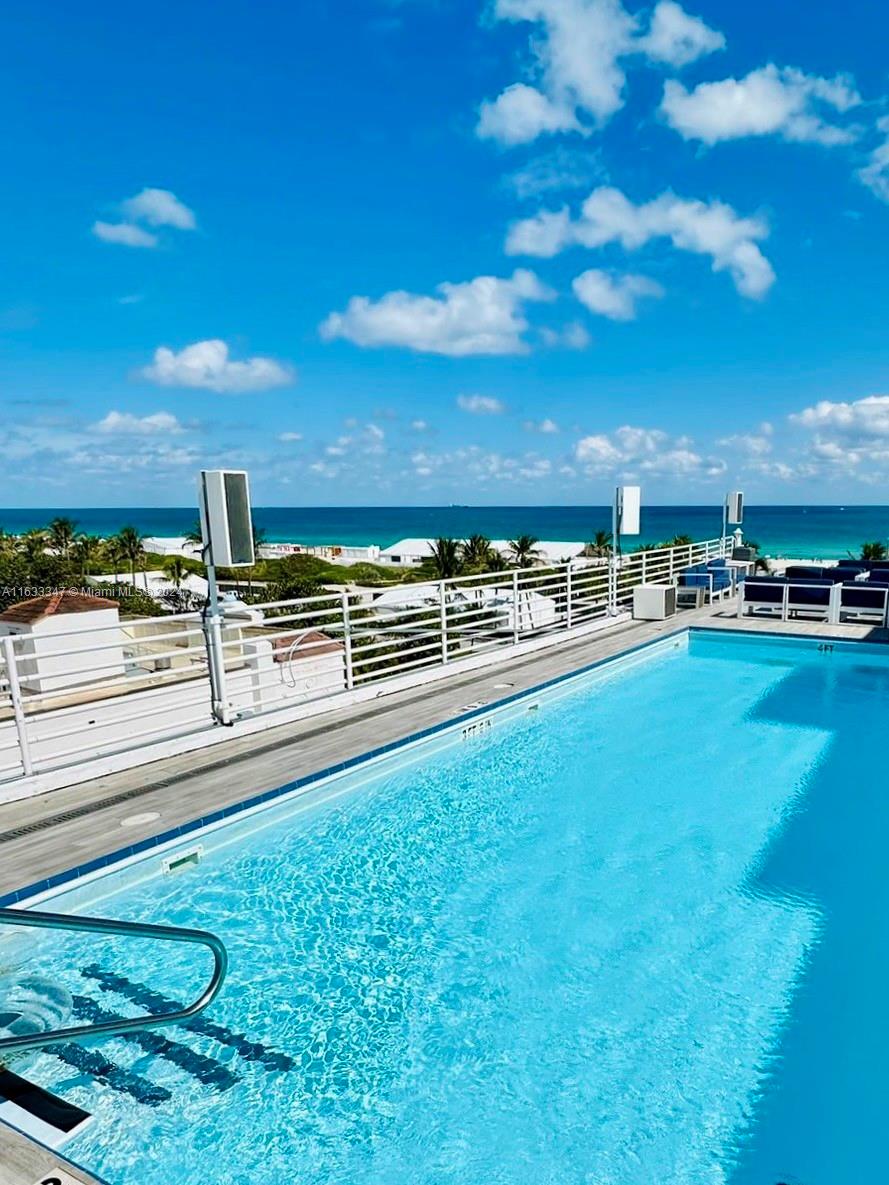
[676, 38]
[643, 452]
[159, 207]
[547, 427]
[614, 296]
[607, 216]
[578, 50]
[290, 437]
[124, 233]
[848, 438]
[480, 316]
[206, 366]
[121, 423]
[521, 113]
[875, 174]
[770, 101]
[481, 405]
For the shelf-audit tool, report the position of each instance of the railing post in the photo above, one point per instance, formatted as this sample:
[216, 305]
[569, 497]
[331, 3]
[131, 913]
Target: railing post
[569, 616]
[644, 566]
[443, 604]
[672, 568]
[515, 606]
[347, 642]
[18, 709]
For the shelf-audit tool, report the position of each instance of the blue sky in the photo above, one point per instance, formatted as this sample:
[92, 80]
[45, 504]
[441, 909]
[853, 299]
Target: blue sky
[500, 251]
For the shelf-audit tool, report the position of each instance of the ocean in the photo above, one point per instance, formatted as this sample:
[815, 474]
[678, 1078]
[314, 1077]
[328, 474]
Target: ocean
[798, 531]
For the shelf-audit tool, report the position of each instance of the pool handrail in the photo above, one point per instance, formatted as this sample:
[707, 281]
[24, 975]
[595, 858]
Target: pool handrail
[59, 921]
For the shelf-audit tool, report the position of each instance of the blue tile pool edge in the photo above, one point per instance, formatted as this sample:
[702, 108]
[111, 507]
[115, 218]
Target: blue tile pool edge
[60, 879]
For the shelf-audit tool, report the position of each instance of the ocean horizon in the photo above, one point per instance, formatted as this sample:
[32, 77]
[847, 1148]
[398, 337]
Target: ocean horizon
[797, 531]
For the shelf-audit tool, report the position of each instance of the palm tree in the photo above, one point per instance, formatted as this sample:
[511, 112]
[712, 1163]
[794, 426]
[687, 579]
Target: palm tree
[33, 543]
[523, 551]
[86, 549]
[176, 570]
[476, 551]
[445, 559]
[61, 535]
[130, 546]
[599, 545]
[195, 537]
[873, 551]
[678, 541]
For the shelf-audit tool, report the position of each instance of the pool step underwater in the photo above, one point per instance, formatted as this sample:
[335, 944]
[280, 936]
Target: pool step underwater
[204, 1069]
[152, 1001]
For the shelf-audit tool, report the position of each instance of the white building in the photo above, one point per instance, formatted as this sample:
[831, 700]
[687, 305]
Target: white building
[410, 553]
[54, 658]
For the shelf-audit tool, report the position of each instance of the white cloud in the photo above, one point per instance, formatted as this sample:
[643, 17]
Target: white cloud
[520, 114]
[577, 61]
[749, 444]
[860, 420]
[572, 336]
[124, 233]
[643, 452]
[560, 168]
[159, 207]
[206, 366]
[290, 437]
[151, 207]
[846, 439]
[875, 174]
[126, 424]
[614, 296]
[480, 316]
[547, 427]
[607, 216]
[676, 38]
[481, 405]
[769, 101]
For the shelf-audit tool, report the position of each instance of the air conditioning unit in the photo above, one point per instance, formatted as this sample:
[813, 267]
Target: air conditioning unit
[654, 602]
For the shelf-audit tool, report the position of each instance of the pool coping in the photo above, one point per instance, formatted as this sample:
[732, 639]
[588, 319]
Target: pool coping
[130, 851]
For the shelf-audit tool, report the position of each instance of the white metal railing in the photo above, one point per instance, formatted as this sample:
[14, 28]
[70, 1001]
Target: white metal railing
[86, 692]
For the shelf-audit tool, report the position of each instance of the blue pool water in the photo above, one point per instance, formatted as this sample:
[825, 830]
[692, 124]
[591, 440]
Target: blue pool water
[637, 935]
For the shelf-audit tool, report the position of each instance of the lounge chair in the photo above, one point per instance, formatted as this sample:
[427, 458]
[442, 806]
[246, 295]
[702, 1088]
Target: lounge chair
[764, 595]
[865, 598]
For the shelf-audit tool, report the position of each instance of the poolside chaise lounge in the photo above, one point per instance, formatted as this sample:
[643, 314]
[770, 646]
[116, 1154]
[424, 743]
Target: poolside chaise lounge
[779, 596]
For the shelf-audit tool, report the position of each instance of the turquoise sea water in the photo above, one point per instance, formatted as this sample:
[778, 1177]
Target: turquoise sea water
[636, 936]
[801, 531]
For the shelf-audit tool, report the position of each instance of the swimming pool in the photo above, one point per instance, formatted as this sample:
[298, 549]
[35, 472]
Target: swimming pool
[631, 931]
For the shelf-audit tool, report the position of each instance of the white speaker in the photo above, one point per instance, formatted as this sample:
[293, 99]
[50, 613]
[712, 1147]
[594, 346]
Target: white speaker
[226, 520]
[734, 503]
[629, 504]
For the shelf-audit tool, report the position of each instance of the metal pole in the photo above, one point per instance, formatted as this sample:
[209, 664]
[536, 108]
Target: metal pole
[347, 642]
[443, 605]
[215, 654]
[515, 607]
[15, 693]
[612, 558]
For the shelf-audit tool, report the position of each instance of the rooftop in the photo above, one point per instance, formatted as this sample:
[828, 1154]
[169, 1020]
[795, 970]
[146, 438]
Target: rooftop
[54, 605]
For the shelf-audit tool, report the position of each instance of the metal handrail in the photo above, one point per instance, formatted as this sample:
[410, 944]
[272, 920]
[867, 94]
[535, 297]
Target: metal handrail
[61, 921]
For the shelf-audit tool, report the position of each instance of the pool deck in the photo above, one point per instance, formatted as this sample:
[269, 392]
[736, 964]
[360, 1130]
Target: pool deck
[47, 835]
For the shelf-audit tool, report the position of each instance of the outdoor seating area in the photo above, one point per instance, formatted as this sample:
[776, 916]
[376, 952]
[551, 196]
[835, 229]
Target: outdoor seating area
[717, 578]
[846, 591]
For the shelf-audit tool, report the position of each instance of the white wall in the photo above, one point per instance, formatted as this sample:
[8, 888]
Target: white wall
[41, 670]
